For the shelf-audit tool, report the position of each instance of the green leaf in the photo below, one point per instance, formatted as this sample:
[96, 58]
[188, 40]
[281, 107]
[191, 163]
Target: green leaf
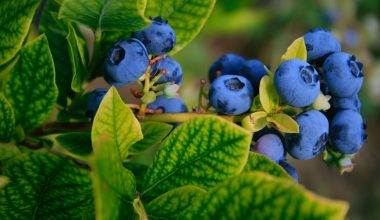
[105, 15]
[44, 186]
[7, 119]
[16, 17]
[269, 97]
[296, 50]
[321, 103]
[31, 87]
[3, 181]
[78, 55]
[202, 151]
[114, 186]
[56, 31]
[255, 121]
[170, 204]
[186, 17]
[138, 171]
[77, 143]
[117, 121]
[256, 195]
[258, 162]
[8, 151]
[284, 123]
[153, 133]
[256, 105]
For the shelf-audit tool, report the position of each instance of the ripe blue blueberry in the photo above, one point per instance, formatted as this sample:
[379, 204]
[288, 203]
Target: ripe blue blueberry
[289, 169]
[158, 38]
[270, 145]
[231, 94]
[228, 63]
[311, 140]
[173, 71]
[93, 101]
[343, 74]
[168, 105]
[347, 132]
[352, 103]
[254, 70]
[126, 61]
[297, 82]
[320, 44]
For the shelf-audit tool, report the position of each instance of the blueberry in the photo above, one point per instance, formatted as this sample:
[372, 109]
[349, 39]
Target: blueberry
[253, 70]
[126, 61]
[172, 68]
[228, 63]
[270, 145]
[289, 169]
[352, 103]
[158, 38]
[343, 74]
[311, 140]
[347, 132]
[93, 101]
[168, 105]
[231, 94]
[297, 82]
[320, 44]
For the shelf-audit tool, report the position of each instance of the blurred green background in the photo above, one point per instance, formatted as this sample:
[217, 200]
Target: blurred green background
[263, 29]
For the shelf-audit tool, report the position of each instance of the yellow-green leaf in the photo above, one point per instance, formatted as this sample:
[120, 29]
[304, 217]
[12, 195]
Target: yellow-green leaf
[284, 123]
[258, 162]
[105, 15]
[114, 185]
[269, 97]
[117, 121]
[321, 103]
[255, 121]
[31, 88]
[296, 50]
[170, 204]
[203, 152]
[7, 119]
[16, 17]
[186, 17]
[153, 133]
[8, 151]
[256, 195]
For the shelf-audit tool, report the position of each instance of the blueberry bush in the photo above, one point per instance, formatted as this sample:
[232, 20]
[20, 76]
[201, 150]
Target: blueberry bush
[66, 153]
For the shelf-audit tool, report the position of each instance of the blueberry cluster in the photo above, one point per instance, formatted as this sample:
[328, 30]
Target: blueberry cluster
[327, 70]
[129, 59]
[234, 83]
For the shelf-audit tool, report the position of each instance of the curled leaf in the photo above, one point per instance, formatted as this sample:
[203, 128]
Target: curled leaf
[283, 123]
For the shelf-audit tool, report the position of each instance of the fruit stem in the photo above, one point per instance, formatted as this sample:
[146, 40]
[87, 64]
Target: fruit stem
[182, 117]
[145, 90]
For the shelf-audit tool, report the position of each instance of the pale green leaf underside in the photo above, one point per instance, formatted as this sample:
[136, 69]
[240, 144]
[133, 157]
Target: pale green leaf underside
[268, 95]
[296, 50]
[186, 17]
[31, 87]
[78, 62]
[117, 121]
[202, 151]
[114, 186]
[153, 133]
[283, 123]
[256, 195]
[105, 15]
[255, 121]
[44, 186]
[258, 162]
[170, 204]
[7, 119]
[8, 151]
[16, 17]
